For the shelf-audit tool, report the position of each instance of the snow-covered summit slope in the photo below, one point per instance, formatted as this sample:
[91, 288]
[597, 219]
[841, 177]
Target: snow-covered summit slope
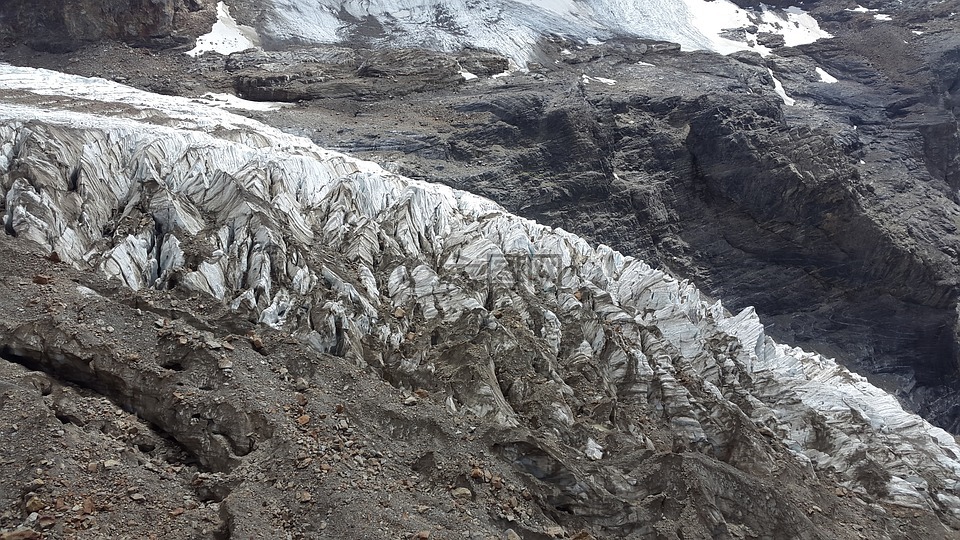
[514, 28]
[435, 287]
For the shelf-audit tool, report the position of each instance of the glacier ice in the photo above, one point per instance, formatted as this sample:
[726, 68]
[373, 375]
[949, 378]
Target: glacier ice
[368, 265]
[515, 28]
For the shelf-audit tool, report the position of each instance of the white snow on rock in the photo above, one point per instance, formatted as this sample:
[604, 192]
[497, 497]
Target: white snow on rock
[593, 451]
[514, 28]
[826, 77]
[587, 79]
[230, 101]
[778, 88]
[713, 17]
[226, 36]
[878, 16]
[337, 251]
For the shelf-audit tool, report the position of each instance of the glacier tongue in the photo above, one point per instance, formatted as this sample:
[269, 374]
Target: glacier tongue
[425, 282]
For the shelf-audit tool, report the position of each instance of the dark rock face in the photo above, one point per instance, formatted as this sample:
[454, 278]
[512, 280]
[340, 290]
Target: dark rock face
[335, 72]
[65, 25]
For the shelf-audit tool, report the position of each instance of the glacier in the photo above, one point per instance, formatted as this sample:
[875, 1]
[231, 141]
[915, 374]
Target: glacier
[514, 29]
[374, 267]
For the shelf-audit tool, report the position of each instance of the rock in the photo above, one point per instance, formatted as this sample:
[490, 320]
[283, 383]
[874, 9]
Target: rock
[225, 364]
[510, 534]
[110, 464]
[138, 497]
[42, 279]
[257, 343]
[410, 400]
[555, 531]
[304, 497]
[771, 40]
[34, 504]
[303, 419]
[461, 493]
[332, 72]
[48, 25]
[482, 63]
[422, 535]
[21, 534]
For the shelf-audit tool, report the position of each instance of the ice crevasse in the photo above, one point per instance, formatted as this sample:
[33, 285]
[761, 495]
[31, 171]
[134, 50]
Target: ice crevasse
[365, 264]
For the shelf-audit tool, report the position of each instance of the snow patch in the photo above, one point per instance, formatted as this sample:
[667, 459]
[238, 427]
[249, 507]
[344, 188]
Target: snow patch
[778, 88]
[187, 113]
[714, 17]
[467, 76]
[230, 101]
[826, 77]
[882, 17]
[594, 451]
[226, 36]
[588, 79]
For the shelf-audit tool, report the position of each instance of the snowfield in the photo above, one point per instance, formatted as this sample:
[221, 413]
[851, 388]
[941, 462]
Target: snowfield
[515, 28]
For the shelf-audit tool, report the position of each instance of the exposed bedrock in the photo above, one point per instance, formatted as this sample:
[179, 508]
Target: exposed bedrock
[66, 25]
[340, 72]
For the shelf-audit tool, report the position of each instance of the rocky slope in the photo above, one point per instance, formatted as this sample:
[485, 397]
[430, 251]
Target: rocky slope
[344, 342]
[523, 364]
